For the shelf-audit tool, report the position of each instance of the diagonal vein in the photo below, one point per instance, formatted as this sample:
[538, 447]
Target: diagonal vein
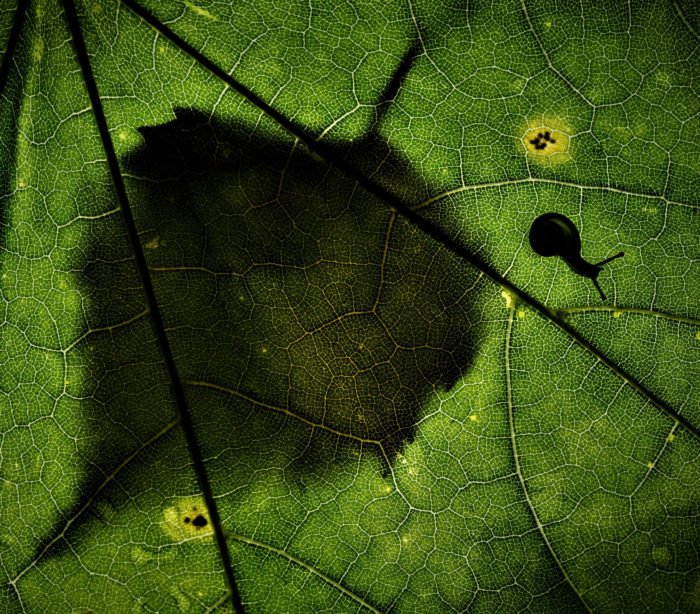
[147, 284]
[428, 227]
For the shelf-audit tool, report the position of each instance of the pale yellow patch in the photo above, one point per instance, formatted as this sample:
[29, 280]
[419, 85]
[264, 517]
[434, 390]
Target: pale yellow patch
[153, 243]
[139, 555]
[38, 50]
[650, 209]
[671, 437]
[386, 489]
[521, 314]
[186, 519]
[200, 11]
[127, 138]
[555, 147]
[161, 49]
[21, 183]
[473, 418]
[548, 24]
[617, 314]
[641, 130]
[697, 335]
[183, 603]
[405, 540]
[650, 464]
[511, 299]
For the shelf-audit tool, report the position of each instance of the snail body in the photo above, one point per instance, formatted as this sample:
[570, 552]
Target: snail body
[553, 234]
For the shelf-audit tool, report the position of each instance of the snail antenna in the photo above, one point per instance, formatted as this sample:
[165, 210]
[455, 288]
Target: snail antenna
[597, 287]
[609, 259]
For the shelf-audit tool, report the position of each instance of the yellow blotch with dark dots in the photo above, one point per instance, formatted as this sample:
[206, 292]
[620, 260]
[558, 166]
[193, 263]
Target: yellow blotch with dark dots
[186, 519]
[547, 140]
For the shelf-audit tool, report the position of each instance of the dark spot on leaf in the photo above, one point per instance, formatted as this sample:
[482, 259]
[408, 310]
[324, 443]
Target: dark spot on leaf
[200, 521]
[187, 518]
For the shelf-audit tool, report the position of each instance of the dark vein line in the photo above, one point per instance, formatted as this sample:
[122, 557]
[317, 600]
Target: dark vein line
[428, 227]
[12, 43]
[159, 329]
[516, 458]
[258, 102]
[686, 23]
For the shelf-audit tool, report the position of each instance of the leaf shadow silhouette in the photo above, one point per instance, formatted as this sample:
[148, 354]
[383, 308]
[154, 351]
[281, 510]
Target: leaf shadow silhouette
[286, 286]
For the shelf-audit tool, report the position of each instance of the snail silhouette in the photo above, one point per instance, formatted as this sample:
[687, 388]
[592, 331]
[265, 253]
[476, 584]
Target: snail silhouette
[553, 234]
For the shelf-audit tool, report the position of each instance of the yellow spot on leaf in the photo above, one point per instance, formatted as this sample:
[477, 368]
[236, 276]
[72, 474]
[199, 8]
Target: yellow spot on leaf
[547, 140]
[617, 314]
[521, 314]
[511, 299]
[405, 539]
[38, 51]
[386, 489]
[21, 183]
[186, 519]
[140, 555]
[153, 243]
[671, 437]
[650, 464]
[200, 11]
[473, 418]
[697, 335]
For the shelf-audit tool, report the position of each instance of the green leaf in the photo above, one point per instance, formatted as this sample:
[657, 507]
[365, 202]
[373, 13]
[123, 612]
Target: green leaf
[326, 351]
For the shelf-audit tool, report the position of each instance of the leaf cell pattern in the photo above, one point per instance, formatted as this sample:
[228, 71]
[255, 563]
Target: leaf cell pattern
[380, 398]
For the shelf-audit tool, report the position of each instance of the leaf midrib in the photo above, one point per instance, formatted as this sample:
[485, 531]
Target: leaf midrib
[328, 154]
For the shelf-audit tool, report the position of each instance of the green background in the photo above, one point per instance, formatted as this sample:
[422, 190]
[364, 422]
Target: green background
[382, 428]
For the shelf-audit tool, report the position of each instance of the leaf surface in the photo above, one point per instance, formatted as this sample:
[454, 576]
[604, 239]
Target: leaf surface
[399, 405]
